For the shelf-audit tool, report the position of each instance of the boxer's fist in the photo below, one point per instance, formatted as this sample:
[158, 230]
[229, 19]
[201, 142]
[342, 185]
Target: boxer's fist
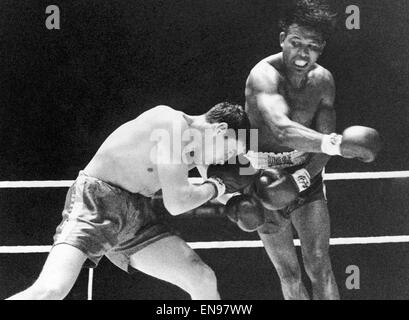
[360, 142]
[235, 176]
[246, 211]
[277, 188]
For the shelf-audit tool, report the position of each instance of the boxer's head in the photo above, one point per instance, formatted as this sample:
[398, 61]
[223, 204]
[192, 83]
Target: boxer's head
[306, 26]
[224, 129]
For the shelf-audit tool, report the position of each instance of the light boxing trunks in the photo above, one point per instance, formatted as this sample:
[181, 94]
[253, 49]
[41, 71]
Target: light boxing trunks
[101, 219]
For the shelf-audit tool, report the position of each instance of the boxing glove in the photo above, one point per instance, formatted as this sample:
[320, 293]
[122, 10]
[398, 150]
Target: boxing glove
[232, 176]
[277, 189]
[358, 142]
[246, 211]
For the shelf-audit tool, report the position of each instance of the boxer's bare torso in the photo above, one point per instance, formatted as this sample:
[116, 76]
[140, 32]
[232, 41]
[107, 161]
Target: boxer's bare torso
[127, 157]
[303, 97]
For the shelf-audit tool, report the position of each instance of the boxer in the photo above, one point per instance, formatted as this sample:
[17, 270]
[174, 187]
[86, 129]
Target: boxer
[108, 209]
[290, 100]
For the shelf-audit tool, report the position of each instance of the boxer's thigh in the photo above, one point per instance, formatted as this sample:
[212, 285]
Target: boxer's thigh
[282, 253]
[170, 259]
[312, 223]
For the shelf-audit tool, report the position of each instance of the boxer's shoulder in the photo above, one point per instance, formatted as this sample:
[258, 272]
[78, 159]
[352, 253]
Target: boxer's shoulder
[321, 76]
[165, 116]
[322, 82]
[167, 113]
[264, 77]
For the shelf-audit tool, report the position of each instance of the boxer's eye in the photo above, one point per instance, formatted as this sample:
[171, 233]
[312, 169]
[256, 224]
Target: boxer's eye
[315, 47]
[295, 43]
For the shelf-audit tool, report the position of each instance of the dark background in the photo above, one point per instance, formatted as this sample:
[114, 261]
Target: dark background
[63, 91]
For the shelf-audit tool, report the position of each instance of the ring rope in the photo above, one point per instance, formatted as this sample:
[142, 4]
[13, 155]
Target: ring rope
[234, 244]
[223, 244]
[327, 177]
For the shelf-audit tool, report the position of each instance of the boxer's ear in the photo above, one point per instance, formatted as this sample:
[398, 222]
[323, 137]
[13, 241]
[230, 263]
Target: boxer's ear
[282, 38]
[221, 128]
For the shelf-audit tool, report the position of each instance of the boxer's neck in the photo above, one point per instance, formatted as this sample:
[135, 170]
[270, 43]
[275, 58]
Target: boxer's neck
[296, 80]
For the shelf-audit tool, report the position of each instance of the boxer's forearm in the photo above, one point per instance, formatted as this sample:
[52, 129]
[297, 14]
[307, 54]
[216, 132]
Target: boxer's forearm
[316, 163]
[189, 198]
[295, 136]
[286, 132]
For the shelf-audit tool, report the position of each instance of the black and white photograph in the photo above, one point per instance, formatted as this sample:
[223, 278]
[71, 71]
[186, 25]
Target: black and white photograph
[238, 150]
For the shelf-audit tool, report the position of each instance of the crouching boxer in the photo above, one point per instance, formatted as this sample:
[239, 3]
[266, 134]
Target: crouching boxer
[108, 209]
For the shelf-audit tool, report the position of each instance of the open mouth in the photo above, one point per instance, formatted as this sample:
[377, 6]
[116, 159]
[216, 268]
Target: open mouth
[301, 64]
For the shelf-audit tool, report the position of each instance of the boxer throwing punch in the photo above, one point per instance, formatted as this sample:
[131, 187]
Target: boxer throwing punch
[290, 100]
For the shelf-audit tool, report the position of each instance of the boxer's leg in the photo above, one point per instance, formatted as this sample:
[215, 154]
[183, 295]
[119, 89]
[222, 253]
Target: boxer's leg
[59, 274]
[278, 242]
[172, 260]
[313, 227]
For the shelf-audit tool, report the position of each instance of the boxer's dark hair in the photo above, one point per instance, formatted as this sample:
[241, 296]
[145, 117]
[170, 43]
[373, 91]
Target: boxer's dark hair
[313, 14]
[232, 114]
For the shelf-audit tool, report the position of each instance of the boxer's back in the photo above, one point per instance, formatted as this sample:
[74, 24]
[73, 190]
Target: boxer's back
[125, 157]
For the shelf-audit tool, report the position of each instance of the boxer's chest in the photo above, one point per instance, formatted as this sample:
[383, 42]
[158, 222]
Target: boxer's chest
[303, 103]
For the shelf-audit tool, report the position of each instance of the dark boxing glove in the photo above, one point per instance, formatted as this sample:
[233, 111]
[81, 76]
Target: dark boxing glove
[277, 189]
[231, 177]
[246, 211]
[358, 142]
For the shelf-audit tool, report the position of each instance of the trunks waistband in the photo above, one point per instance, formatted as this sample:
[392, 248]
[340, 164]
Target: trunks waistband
[83, 175]
[271, 160]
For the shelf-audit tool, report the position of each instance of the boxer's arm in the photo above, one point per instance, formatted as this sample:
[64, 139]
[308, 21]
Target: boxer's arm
[179, 195]
[225, 197]
[276, 195]
[325, 122]
[262, 91]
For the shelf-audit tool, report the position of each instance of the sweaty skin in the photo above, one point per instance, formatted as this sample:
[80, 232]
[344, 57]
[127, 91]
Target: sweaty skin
[303, 105]
[124, 159]
[290, 100]
[142, 156]
[156, 151]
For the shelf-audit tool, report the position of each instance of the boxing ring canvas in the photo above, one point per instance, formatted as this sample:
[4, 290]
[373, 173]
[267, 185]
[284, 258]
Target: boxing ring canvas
[63, 91]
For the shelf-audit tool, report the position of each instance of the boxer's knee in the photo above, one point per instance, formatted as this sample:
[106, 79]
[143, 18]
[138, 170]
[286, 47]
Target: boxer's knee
[291, 282]
[41, 290]
[200, 277]
[317, 264]
[289, 274]
[207, 277]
